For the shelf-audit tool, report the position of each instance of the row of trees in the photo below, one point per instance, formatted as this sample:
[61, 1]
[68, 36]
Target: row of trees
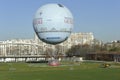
[58, 51]
[82, 50]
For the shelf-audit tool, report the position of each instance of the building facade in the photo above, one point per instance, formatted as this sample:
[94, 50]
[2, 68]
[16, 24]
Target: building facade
[37, 47]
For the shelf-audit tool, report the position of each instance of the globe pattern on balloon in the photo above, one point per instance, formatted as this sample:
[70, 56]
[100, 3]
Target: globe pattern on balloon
[53, 23]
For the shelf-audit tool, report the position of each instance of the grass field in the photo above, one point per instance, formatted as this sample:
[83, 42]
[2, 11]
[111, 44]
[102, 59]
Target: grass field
[83, 71]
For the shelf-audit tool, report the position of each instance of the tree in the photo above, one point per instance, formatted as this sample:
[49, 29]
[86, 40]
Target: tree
[55, 53]
[49, 52]
[79, 50]
[115, 49]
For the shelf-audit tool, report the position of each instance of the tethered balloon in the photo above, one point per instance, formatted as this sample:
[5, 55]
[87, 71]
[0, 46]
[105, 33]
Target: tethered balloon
[53, 23]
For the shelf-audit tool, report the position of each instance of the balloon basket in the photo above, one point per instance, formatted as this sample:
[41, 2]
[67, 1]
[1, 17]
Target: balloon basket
[54, 63]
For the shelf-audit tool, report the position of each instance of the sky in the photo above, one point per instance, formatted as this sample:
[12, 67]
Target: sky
[101, 17]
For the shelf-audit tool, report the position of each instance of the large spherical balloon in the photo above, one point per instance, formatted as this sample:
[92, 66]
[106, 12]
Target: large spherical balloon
[53, 23]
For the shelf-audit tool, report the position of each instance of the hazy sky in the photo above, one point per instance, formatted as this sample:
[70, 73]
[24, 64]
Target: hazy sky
[102, 17]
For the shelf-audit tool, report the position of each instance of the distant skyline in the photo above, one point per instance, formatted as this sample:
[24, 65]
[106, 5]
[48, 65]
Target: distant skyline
[101, 17]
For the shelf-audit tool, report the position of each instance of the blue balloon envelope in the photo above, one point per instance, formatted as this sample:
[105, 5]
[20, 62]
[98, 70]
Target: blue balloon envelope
[53, 23]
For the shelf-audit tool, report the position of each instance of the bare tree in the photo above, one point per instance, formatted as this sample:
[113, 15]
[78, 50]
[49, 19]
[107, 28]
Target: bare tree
[55, 52]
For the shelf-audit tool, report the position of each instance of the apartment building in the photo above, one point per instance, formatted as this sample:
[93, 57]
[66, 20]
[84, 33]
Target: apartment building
[37, 47]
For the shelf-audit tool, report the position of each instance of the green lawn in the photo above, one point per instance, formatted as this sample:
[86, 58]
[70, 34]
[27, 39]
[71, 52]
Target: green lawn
[83, 71]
